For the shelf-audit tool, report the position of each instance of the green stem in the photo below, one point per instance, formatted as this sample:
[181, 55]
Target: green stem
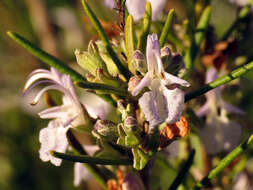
[145, 27]
[223, 164]
[98, 86]
[45, 57]
[220, 81]
[182, 173]
[200, 31]
[167, 27]
[91, 160]
[105, 39]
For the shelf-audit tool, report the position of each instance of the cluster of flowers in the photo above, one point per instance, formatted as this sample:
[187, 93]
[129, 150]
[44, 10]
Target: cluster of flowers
[153, 103]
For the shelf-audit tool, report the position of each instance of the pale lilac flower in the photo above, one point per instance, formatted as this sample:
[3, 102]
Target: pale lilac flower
[132, 182]
[242, 181]
[219, 134]
[110, 4]
[137, 7]
[80, 173]
[54, 138]
[164, 103]
[99, 108]
[70, 114]
[240, 3]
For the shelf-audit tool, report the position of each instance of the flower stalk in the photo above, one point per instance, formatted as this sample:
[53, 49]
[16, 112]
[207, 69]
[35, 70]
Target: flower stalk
[220, 81]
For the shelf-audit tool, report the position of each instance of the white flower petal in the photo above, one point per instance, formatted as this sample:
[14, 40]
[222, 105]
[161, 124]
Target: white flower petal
[41, 92]
[110, 4]
[203, 110]
[211, 75]
[91, 149]
[232, 135]
[97, 107]
[136, 8]
[218, 136]
[81, 173]
[54, 112]
[231, 109]
[175, 103]
[157, 7]
[170, 79]
[146, 81]
[36, 77]
[152, 52]
[147, 104]
[54, 138]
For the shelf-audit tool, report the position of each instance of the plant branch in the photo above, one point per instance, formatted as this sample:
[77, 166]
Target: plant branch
[220, 81]
[223, 164]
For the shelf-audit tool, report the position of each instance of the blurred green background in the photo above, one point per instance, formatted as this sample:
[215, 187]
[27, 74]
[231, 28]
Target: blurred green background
[60, 26]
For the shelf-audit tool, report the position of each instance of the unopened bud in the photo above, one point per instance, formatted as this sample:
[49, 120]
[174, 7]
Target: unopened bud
[176, 64]
[139, 62]
[133, 82]
[90, 61]
[130, 122]
[165, 51]
[132, 182]
[106, 129]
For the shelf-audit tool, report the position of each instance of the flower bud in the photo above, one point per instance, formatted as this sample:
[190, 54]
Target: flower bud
[165, 51]
[90, 61]
[106, 129]
[133, 82]
[131, 124]
[176, 64]
[132, 182]
[139, 62]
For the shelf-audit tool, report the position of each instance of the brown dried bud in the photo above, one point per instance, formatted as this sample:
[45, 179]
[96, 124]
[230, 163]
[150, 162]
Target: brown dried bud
[172, 131]
[113, 185]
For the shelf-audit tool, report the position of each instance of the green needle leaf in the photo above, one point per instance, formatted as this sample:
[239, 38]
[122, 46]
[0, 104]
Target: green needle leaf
[167, 27]
[183, 171]
[91, 160]
[145, 27]
[45, 57]
[191, 53]
[129, 41]
[223, 164]
[98, 86]
[104, 38]
[220, 81]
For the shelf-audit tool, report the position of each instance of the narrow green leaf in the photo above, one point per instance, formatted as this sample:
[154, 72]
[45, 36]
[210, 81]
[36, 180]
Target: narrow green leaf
[145, 27]
[91, 160]
[183, 171]
[98, 86]
[105, 39]
[223, 164]
[201, 28]
[220, 81]
[167, 27]
[129, 41]
[45, 57]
